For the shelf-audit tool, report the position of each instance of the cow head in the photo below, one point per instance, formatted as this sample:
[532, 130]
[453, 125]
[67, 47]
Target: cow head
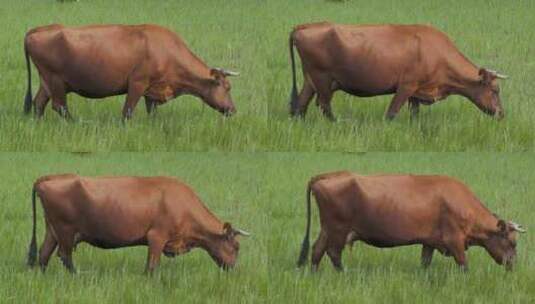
[216, 92]
[486, 93]
[226, 246]
[501, 243]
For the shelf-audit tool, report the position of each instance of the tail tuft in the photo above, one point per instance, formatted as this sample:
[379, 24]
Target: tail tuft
[305, 246]
[303, 256]
[32, 251]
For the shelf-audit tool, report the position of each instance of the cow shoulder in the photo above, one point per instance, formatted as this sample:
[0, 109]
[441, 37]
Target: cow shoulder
[458, 199]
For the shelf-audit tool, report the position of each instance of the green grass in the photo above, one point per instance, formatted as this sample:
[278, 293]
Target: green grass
[227, 184]
[265, 194]
[503, 181]
[216, 31]
[493, 34]
[251, 36]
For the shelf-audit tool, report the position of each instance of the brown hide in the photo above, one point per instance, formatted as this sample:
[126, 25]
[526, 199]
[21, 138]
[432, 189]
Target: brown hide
[97, 61]
[112, 212]
[416, 63]
[437, 212]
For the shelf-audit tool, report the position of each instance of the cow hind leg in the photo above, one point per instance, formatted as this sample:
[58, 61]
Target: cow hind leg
[156, 245]
[59, 98]
[65, 238]
[427, 255]
[47, 248]
[318, 250]
[324, 89]
[65, 254]
[303, 100]
[40, 101]
[334, 251]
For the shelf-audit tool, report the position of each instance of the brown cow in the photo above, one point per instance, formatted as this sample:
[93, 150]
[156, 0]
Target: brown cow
[438, 212]
[105, 60]
[417, 63]
[112, 212]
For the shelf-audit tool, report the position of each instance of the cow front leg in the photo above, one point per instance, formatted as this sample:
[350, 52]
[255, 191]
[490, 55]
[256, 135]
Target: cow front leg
[427, 255]
[135, 91]
[399, 99]
[414, 107]
[156, 245]
[150, 105]
[457, 249]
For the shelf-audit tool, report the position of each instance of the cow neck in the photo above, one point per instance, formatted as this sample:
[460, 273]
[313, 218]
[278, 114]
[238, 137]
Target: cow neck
[211, 229]
[197, 73]
[485, 226]
[463, 79]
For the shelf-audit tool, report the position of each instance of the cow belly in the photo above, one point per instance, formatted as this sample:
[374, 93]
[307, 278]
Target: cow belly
[386, 243]
[93, 84]
[111, 244]
[365, 85]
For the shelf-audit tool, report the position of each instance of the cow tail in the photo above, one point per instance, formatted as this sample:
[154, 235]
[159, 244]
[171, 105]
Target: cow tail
[28, 99]
[32, 251]
[306, 241]
[293, 94]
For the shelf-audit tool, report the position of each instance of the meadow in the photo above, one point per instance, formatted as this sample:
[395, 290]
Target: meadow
[264, 193]
[214, 30]
[494, 34]
[227, 184]
[504, 182]
[251, 37]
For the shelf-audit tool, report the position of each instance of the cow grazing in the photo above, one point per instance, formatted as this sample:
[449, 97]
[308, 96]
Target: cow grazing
[437, 212]
[112, 212]
[98, 61]
[417, 63]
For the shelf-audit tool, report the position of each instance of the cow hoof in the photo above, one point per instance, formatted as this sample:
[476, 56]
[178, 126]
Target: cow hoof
[390, 116]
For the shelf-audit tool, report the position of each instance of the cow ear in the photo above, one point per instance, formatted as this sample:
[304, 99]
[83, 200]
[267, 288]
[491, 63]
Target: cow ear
[502, 227]
[216, 74]
[228, 231]
[486, 76]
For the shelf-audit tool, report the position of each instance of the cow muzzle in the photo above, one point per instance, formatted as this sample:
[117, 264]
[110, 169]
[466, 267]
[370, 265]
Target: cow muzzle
[499, 114]
[229, 111]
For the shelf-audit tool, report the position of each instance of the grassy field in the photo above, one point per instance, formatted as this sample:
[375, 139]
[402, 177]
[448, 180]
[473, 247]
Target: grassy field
[493, 34]
[265, 194]
[503, 181]
[215, 30]
[228, 185]
[251, 37]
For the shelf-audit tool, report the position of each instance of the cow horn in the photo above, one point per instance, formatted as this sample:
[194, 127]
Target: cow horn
[230, 73]
[227, 72]
[517, 227]
[242, 232]
[498, 75]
